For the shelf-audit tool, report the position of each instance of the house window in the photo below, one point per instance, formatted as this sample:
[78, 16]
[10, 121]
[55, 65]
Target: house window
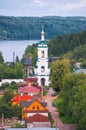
[42, 54]
[33, 107]
[37, 107]
[42, 68]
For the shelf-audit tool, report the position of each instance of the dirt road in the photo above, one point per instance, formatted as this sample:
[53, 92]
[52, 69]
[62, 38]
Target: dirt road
[57, 122]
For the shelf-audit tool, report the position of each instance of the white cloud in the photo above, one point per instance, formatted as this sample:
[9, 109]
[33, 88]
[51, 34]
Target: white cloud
[81, 4]
[40, 2]
[70, 5]
[43, 7]
[77, 5]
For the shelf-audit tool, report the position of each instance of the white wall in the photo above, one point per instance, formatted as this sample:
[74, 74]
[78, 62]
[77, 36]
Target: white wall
[11, 80]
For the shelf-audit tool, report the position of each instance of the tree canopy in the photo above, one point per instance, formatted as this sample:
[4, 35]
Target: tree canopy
[71, 102]
[1, 58]
[30, 27]
[5, 102]
[64, 44]
[59, 70]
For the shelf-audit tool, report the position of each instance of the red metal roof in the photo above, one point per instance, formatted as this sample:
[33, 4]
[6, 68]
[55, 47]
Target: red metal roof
[37, 118]
[19, 98]
[28, 89]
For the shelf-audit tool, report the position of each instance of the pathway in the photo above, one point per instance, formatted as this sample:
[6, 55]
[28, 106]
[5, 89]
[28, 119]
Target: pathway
[58, 123]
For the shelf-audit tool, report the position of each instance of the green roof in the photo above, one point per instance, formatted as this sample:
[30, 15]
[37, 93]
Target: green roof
[42, 42]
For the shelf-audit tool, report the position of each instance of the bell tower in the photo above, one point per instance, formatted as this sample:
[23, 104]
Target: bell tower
[42, 70]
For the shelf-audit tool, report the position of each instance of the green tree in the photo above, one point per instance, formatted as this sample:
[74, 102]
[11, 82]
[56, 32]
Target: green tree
[1, 58]
[59, 70]
[5, 104]
[1, 70]
[8, 95]
[17, 59]
[9, 72]
[6, 110]
[83, 64]
[17, 111]
[79, 107]
[18, 70]
[79, 52]
[71, 102]
[1, 66]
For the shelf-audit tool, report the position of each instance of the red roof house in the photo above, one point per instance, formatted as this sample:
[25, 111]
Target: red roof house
[18, 99]
[38, 120]
[30, 90]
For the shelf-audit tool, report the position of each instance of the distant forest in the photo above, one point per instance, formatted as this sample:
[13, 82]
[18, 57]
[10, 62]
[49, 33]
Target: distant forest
[63, 44]
[26, 28]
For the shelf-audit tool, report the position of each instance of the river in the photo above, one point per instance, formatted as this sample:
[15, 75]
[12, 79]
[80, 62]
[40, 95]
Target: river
[18, 47]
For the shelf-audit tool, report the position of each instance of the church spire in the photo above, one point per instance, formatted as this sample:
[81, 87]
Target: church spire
[42, 34]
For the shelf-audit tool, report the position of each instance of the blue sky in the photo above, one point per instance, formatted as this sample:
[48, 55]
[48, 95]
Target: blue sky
[43, 7]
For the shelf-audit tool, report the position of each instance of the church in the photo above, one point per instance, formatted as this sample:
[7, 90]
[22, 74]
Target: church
[42, 70]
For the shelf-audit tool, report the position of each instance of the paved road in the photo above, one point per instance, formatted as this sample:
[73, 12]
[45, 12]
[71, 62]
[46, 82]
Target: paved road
[57, 122]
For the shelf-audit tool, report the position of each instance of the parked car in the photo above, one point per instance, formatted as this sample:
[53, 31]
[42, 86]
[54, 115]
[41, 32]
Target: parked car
[53, 93]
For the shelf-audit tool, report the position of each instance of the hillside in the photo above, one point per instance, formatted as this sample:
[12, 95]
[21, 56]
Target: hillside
[63, 44]
[21, 28]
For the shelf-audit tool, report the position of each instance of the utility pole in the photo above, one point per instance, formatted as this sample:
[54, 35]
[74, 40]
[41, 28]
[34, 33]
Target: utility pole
[13, 57]
[13, 60]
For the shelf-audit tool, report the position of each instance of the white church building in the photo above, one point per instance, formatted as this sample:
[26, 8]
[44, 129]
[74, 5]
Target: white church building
[42, 70]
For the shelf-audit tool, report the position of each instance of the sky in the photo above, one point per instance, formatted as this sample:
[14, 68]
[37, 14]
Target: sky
[43, 7]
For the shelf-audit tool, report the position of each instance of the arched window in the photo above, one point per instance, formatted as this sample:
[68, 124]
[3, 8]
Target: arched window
[33, 107]
[42, 81]
[42, 54]
[42, 69]
[37, 107]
